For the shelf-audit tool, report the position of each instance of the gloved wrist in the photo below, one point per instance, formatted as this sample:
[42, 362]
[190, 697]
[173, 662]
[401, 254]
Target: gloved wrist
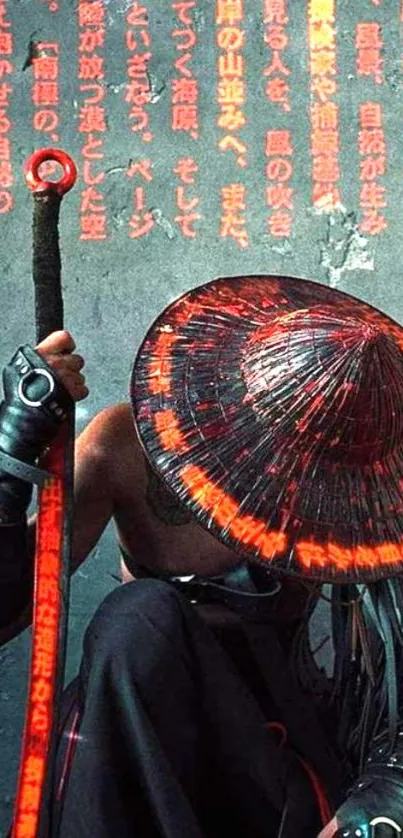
[35, 405]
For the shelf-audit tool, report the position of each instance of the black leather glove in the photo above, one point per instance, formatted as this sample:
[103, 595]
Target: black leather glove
[35, 404]
[374, 807]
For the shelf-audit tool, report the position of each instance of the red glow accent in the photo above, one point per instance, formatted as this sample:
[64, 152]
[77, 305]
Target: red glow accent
[170, 435]
[225, 512]
[47, 612]
[61, 186]
[159, 368]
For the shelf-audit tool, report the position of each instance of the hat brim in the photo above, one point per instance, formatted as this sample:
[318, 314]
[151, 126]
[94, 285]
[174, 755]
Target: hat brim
[309, 516]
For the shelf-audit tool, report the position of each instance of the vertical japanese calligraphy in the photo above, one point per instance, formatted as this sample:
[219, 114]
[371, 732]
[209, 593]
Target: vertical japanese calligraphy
[45, 93]
[186, 201]
[231, 98]
[278, 142]
[137, 91]
[185, 87]
[92, 117]
[324, 109]
[141, 220]
[6, 90]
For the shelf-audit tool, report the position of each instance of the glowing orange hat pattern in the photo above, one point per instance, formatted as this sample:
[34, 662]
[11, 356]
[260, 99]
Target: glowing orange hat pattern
[273, 407]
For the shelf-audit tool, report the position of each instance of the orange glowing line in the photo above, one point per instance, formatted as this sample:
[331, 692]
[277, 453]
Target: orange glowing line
[160, 365]
[170, 435]
[311, 555]
[40, 713]
[225, 512]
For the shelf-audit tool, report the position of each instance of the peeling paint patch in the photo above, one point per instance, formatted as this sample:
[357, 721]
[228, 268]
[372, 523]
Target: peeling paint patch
[162, 222]
[344, 248]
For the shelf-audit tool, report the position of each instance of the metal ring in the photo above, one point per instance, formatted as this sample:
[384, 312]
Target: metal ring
[35, 182]
[27, 375]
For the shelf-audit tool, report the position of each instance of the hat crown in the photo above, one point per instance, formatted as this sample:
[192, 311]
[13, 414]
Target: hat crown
[330, 381]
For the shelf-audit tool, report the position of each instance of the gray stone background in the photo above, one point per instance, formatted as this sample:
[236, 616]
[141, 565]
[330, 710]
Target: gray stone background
[114, 289]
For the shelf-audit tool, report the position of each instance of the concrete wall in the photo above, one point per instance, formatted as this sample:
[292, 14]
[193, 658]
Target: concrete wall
[115, 288]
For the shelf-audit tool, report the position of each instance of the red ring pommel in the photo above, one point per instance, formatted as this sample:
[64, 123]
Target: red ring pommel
[68, 165]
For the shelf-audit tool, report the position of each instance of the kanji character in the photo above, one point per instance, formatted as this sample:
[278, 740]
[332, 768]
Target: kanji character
[5, 148]
[229, 143]
[91, 200]
[183, 203]
[229, 11]
[231, 92]
[42, 664]
[6, 174]
[5, 24]
[137, 92]
[184, 118]
[230, 38]
[231, 118]
[325, 117]
[88, 149]
[323, 63]
[185, 169]
[6, 202]
[181, 64]
[43, 47]
[189, 38]
[182, 10]
[6, 67]
[279, 197]
[6, 43]
[233, 226]
[324, 142]
[231, 64]
[137, 16]
[371, 141]
[274, 11]
[321, 11]
[93, 227]
[279, 223]
[91, 67]
[372, 167]
[46, 640]
[368, 35]
[278, 142]
[130, 40]
[141, 117]
[92, 118]
[98, 90]
[40, 718]
[30, 797]
[276, 66]
[48, 589]
[141, 167]
[323, 87]
[89, 178]
[185, 222]
[325, 168]
[275, 37]
[372, 195]
[45, 93]
[185, 91]
[5, 90]
[41, 688]
[372, 222]
[325, 196]
[279, 169]
[91, 14]
[369, 63]
[370, 115]
[233, 197]
[46, 67]
[277, 91]
[33, 768]
[45, 121]
[322, 35]
[90, 39]
[26, 824]
[140, 225]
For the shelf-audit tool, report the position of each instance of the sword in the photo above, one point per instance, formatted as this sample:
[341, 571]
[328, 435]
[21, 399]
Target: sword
[33, 806]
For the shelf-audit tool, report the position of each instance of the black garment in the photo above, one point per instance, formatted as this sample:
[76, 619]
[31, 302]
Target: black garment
[171, 742]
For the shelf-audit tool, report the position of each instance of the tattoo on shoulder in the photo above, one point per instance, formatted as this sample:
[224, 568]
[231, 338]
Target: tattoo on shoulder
[163, 502]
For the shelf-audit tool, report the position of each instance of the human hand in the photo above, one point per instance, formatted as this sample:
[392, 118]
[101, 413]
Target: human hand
[57, 350]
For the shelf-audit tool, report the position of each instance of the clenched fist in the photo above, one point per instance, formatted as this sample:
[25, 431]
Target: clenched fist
[58, 351]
